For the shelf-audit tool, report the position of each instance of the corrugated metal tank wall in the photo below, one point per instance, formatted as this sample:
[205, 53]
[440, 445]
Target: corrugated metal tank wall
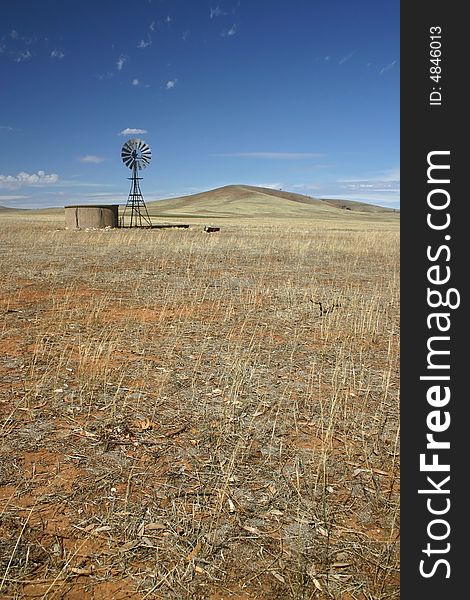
[91, 216]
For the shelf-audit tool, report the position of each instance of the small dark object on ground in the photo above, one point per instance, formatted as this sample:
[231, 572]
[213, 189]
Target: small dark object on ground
[211, 229]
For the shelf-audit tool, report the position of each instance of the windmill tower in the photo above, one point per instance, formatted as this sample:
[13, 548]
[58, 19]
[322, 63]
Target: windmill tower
[136, 155]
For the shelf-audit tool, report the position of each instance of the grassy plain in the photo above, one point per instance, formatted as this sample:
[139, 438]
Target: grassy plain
[189, 415]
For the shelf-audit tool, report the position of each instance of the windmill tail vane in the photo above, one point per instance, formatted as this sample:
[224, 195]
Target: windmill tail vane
[136, 156]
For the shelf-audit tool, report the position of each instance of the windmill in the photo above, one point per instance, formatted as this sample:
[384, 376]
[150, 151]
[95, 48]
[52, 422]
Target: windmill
[136, 155]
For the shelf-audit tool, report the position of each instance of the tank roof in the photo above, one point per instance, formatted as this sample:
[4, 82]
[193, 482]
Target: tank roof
[90, 205]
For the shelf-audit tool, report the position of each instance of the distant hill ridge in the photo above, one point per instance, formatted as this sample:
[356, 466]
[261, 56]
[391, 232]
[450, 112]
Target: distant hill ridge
[252, 201]
[9, 209]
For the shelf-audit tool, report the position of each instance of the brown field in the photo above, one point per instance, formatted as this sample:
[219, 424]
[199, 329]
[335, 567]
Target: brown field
[200, 416]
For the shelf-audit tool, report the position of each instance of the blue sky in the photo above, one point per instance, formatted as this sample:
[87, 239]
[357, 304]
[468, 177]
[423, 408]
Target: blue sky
[300, 95]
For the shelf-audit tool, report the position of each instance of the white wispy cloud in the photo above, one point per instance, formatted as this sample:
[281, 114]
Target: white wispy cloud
[276, 185]
[171, 84]
[131, 131]
[217, 12]
[387, 67]
[22, 56]
[274, 155]
[13, 45]
[5, 198]
[107, 75]
[57, 54]
[372, 188]
[135, 82]
[120, 62]
[144, 44]
[388, 175]
[384, 182]
[347, 57]
[305, 186]
[152, 26]
[230, 32]
[27, 179]
[185, 35]
[91, 158]
[6, 128]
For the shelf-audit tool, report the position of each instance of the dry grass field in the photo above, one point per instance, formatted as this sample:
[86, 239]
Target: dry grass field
[200, 416]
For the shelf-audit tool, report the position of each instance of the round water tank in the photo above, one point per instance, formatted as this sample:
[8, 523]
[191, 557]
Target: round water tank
[91, 216]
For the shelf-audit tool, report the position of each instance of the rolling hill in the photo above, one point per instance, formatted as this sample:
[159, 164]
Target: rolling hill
[5, 209]
[251, 201]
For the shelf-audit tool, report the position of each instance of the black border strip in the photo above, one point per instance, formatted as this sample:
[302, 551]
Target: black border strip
[433, 124]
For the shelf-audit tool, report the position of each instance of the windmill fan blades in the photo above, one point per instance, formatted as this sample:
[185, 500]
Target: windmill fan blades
[129, 162]
[144, 150]
[136, 153]
[126, 156]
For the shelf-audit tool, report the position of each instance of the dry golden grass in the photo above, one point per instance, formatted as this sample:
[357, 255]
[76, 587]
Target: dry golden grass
[190, 415]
